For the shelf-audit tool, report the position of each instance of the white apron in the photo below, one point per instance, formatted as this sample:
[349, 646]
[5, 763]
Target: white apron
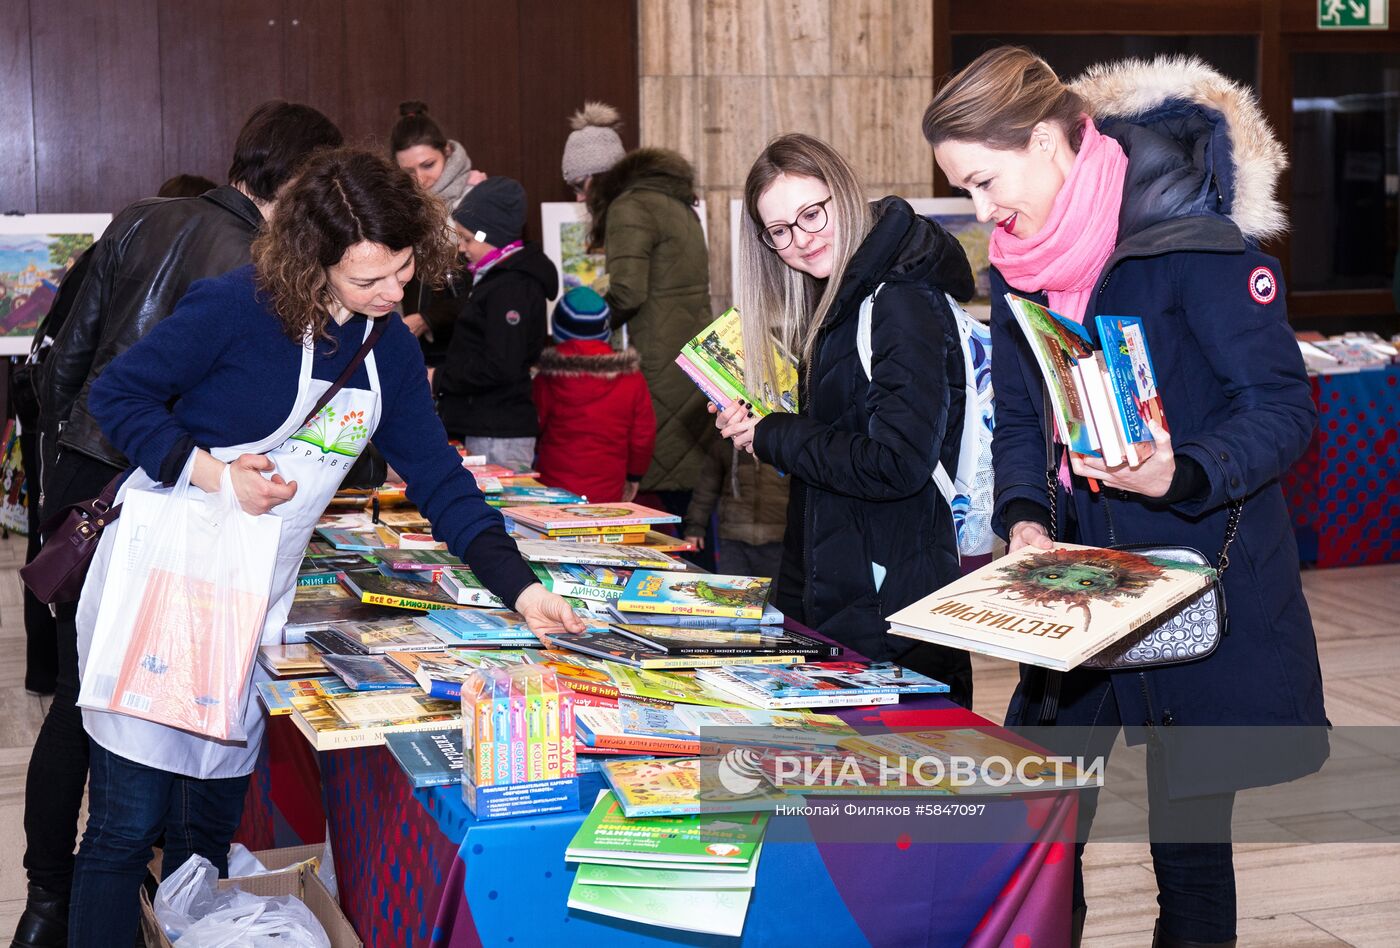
[317, 457]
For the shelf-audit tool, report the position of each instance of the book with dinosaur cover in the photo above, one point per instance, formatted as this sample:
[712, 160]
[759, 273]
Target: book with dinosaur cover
[1053, 608]
[595, 583]
[379, 590]
[714, 360]
[739, 597]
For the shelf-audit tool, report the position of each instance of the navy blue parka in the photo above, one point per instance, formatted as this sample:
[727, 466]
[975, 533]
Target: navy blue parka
[1239, 406]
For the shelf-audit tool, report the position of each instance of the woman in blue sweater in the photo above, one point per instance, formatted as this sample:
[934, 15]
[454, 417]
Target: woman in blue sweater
[231, 377]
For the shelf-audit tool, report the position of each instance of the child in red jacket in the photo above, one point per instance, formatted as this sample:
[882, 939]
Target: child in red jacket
[597, 428]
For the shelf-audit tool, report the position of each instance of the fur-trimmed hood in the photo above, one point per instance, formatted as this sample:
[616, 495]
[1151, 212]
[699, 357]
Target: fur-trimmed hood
[607, 365]
[1196, 141]
[651, 169]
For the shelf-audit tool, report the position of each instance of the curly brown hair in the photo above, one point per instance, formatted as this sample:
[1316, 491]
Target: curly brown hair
[341, 198]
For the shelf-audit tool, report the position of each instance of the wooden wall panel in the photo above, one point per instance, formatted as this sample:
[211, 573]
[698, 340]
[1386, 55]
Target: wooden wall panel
[218, 61]
[375, 39]
[313, 54]
[16, 114]
[96, 104]
[589, 54]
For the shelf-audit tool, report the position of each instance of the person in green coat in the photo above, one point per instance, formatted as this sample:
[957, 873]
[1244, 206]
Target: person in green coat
[644, 219]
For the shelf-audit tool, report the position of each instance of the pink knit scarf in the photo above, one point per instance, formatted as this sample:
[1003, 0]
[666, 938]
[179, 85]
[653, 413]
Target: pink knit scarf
[1065, 256]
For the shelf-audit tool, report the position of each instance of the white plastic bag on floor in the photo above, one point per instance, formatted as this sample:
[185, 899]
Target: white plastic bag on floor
[183, 600]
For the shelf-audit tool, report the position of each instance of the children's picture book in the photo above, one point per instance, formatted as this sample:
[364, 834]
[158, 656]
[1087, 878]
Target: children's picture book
[616, 647]
[613, 556]
[825, 684]
[597, 583]
[603, 727]
[740, 597]
[326, 730]
[477, 627]
[707, 911]
[379, 590]
[428, 758]
[665, 543]
[514, 495]
[1132, 381]
[1053, 608]
[582, 675]
[355, 541]
[589, 517]
[666, 688]
[277, 695]
[715, 643]
[461, 588]
[1056, 352]
[369, 672]
[714, 360]
[770, 617]
[725, 842]
[680, 786]
[418, 561]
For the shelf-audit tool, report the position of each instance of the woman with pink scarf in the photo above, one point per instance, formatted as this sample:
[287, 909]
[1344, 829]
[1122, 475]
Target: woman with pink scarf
[1142, 189]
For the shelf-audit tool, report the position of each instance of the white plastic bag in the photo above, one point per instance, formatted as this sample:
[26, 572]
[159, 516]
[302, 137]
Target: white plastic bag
[194, 914]
[187, 894]
[241, 862]
[181, 615]
[250, 921]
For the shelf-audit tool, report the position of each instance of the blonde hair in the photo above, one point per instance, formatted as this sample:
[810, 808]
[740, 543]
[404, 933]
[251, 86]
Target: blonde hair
[999, 99]
[777, 302]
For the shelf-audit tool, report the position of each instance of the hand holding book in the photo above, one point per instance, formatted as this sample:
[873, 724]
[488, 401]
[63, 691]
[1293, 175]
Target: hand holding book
[1151, 478]
[737, 423]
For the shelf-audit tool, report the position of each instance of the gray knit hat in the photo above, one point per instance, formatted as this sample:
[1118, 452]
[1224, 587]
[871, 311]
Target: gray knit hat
[594, 145]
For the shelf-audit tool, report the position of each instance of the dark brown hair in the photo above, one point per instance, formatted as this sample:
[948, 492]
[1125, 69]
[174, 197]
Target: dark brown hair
[999, 99]
[274, 141]
[416, 127]
[185, 185]
[340, 199]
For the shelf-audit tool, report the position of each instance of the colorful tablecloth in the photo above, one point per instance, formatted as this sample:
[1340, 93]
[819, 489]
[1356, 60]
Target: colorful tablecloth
[1344, 493]
[416, 869]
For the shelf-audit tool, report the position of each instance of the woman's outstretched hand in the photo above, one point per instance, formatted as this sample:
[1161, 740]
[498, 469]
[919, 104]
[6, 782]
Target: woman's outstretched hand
[545, 613]
[1151, 478]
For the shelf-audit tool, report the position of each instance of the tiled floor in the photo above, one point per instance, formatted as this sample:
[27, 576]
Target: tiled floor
[1290, 894]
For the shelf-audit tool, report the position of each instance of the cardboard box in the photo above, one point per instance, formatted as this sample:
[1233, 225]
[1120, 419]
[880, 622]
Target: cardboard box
[291, 875]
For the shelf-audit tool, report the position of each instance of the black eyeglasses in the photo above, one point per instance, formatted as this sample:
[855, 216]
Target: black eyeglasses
[812, 220]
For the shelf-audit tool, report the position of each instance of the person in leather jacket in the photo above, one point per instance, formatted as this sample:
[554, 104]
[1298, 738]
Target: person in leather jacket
[146, 259]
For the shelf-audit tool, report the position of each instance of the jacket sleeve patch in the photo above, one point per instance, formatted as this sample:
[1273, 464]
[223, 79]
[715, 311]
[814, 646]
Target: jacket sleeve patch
[1263, 286]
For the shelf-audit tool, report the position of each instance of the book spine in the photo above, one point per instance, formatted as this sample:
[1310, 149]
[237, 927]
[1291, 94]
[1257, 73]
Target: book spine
[712, 389]
[401, 602]
[691, 609]
[317, 579]
[718, 661]
[1110, 441]
[641, 744]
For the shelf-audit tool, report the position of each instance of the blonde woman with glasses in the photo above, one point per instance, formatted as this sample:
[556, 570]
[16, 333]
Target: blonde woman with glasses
[867, 531]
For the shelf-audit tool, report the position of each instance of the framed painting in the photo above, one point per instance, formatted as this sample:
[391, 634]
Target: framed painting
[36, 251]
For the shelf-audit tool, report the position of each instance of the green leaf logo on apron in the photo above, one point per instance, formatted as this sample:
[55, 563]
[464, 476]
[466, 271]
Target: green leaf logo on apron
[342, 436]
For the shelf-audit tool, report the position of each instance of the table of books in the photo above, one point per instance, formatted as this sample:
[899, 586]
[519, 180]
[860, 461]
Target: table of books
[415, 868]
[1344, 493]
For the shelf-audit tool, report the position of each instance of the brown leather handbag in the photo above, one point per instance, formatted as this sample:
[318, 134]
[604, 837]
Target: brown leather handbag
[57, 572]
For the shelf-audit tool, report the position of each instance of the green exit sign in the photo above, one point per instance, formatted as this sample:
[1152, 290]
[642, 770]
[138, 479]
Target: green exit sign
[1353, 14]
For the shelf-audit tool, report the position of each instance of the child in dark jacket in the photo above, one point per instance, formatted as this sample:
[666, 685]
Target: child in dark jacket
[483, 385]
[597, 428]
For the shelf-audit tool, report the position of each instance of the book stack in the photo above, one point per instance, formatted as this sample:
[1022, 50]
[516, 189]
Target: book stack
[518, 743]
[714, 360]
[1348, 352]
[691, 873]
[586, 523]
[818, 684]
[1102, 397]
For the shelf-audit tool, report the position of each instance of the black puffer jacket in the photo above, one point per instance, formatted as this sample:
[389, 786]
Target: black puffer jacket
[140, 268]
[483, 385]
[862, 453]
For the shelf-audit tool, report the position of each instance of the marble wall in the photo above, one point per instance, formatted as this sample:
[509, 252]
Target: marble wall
[719, 78]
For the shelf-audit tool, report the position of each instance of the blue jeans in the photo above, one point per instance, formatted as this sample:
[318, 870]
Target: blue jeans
[129, 805]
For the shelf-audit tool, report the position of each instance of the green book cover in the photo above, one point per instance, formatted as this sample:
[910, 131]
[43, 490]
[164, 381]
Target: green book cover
[729, 839]
[648, 876]
[666, 687]
[711, 911]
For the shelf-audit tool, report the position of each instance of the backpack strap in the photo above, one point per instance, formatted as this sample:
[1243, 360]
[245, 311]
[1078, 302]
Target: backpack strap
[865, 349]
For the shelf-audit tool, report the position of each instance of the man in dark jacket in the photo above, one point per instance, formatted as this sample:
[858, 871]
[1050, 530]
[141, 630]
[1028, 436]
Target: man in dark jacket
[143, 264]
[483, 386]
